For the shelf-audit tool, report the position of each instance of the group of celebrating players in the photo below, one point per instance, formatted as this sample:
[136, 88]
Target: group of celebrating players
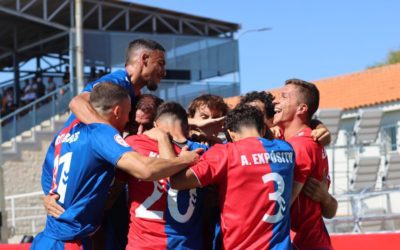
[184, 184]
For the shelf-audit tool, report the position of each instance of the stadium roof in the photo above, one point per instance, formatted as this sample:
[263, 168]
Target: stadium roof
[37, 27]
[356, 90]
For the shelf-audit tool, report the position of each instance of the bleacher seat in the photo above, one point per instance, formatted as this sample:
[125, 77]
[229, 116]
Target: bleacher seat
[367, 126]
[331, 119]
[365, 173]
[392, 176]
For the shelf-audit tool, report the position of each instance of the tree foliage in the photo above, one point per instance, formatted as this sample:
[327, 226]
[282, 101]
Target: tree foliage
[392, 58]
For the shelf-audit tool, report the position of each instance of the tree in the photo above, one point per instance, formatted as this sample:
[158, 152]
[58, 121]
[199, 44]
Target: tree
[392, 58]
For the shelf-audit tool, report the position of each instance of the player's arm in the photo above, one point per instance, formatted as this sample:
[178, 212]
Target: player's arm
[185, 179]
[296, 189]
[318, 191]
[320, 132]
[82, 109]
[151, 169]
[165, 148]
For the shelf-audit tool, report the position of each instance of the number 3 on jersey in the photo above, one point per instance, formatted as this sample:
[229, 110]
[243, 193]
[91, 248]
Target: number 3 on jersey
[275, 196]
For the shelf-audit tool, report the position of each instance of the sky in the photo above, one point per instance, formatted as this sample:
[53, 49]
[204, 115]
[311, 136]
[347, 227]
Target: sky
[310, 39]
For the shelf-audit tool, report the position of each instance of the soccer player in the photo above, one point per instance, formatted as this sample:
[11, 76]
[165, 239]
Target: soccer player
[160, 217]
[79, 168]
[144, 66]
[264, 102]
[253, 177]
[206, 113]
[294, 108]
[142, 117]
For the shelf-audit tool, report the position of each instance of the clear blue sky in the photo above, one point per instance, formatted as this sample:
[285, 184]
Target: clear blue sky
[310, 39]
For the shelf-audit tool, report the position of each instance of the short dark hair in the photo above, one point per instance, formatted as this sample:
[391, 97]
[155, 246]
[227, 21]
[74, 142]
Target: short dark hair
[213, 102]
[141, 44]
[149, 104]
[265, 97]
[308, 94]
[175, 110]
[106, 95]
[244, 116]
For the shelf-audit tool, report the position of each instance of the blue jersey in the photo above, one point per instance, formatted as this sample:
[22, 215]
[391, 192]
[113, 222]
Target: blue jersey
[79, 167]
[119, 77]
[161, 217]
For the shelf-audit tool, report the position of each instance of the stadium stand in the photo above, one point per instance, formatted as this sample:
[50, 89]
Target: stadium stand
[331, 119]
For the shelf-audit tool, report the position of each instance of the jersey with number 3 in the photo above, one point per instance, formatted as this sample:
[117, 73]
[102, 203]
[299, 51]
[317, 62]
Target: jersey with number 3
[254, 181]
[80, 167]
[161, 217]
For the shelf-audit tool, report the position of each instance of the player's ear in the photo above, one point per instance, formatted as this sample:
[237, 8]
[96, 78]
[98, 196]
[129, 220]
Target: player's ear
[302, 109]
[232, 134]
[117, 111]
[144, 58]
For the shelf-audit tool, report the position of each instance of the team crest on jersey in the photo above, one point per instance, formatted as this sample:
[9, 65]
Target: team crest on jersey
[120, 140]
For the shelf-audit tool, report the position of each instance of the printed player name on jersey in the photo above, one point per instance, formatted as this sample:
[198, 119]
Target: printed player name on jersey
[68, 138]
[266, 158]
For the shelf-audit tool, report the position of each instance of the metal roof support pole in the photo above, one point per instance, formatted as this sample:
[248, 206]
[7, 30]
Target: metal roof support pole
[16, 69]
[79, 44]
[72, 76]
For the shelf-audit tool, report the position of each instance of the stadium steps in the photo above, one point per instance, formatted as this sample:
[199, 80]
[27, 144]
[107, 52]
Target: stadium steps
[22, 161]
[31, 139]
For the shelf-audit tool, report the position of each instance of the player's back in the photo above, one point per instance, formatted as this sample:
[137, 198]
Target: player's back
[161, 217]
[82, 177]
[255, 193]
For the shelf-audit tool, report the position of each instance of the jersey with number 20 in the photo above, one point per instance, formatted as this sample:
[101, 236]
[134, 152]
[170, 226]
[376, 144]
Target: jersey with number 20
[161, 217]
[254, 182]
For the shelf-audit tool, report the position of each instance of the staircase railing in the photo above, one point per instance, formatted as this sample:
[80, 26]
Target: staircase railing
[32, 114]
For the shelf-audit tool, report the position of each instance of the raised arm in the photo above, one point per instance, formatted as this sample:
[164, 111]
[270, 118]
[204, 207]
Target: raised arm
[82, 109]
[151, 169]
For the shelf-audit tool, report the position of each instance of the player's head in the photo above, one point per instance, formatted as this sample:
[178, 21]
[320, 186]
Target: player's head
[244, 121]
[112, 102]
[264, 102]
[171, 117]
[142, 115]
[207, 106]
[147, 57]
[298, 100]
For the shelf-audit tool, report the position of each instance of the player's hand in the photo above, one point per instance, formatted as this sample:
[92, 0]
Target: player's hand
[210, 124]
[276, 132]
[190, 157]
[156, 134]
[317, 190]
[322, 135]
[51, 206]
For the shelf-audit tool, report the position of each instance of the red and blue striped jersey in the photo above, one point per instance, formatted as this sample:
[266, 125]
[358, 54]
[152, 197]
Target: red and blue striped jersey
[161, 217]
[80, 167]
[254, 181]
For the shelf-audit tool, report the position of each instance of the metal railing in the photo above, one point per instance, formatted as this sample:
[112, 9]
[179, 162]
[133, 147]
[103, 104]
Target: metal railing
[32, 114]
[22, 215]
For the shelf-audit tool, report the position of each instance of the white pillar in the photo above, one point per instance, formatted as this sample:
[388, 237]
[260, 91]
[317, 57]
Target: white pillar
[79, 45]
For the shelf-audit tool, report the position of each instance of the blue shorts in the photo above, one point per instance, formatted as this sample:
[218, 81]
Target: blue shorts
[41, 242]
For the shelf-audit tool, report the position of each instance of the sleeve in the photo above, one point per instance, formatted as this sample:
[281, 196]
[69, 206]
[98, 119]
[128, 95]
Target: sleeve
[303, 167]
[108, 144]
[212, 166]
